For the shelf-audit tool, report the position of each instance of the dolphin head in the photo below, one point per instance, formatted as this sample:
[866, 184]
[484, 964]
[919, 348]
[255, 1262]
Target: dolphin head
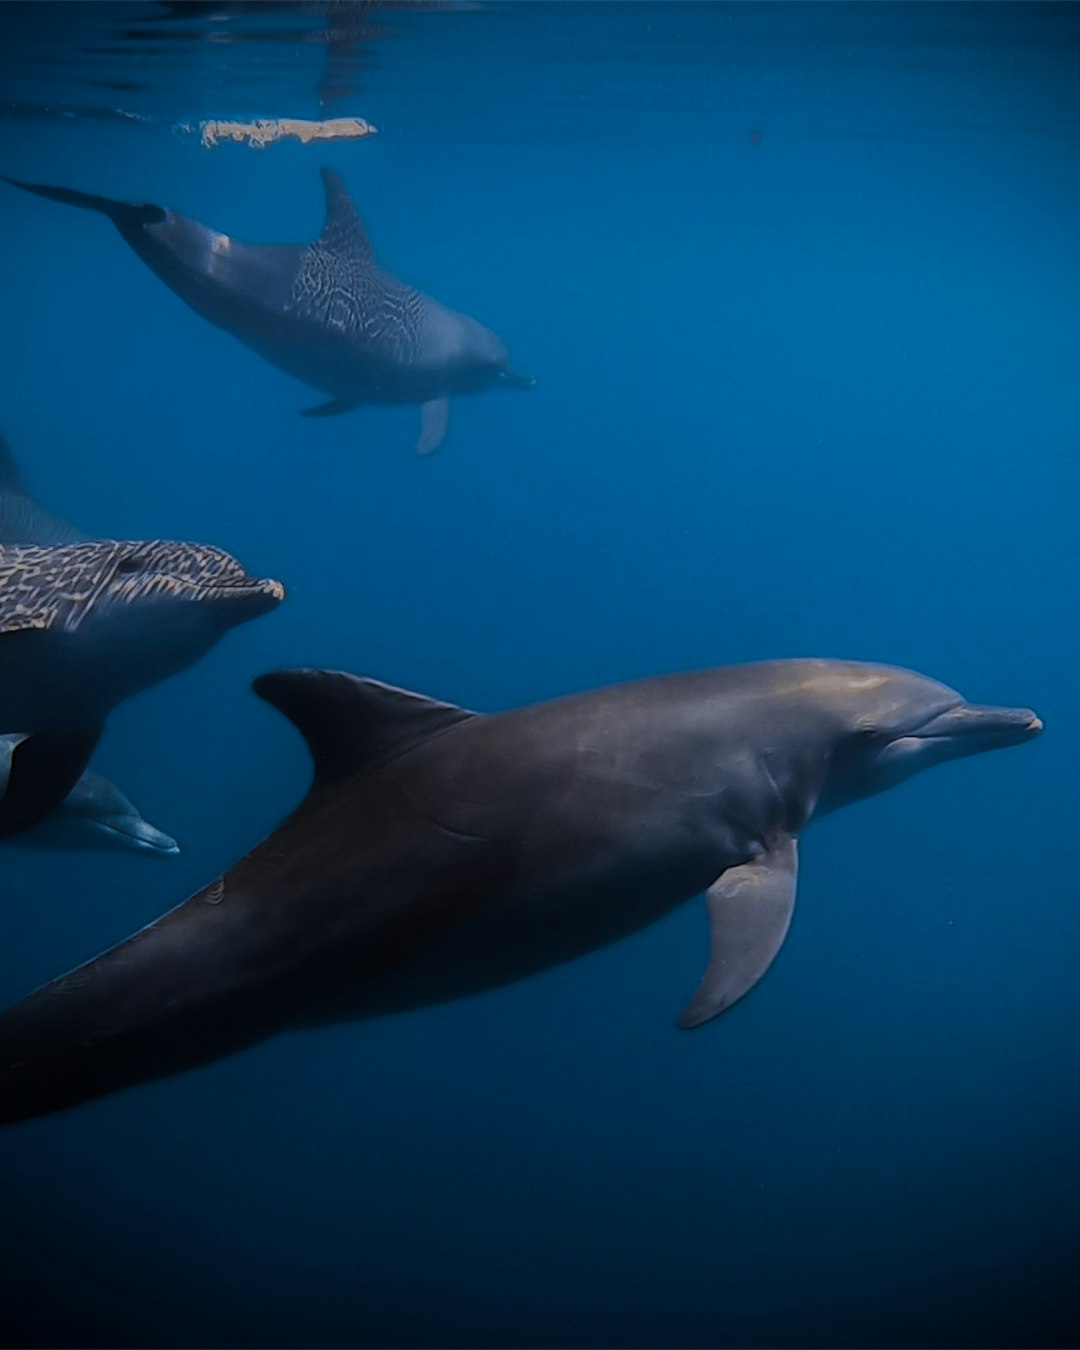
[97, 814]
[140, 611]
[890, 724]
[165, 579]
[482, 361]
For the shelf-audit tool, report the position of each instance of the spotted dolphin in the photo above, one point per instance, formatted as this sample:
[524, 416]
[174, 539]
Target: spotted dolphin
[440, 853]
[84, 626]
[325, 312]
[95, 813]
[22, 519]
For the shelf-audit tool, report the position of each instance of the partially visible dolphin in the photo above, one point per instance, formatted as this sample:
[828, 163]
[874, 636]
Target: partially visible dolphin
[22, 519]
[84, 626]
[94, 814]
[440, 853]
[325, 311]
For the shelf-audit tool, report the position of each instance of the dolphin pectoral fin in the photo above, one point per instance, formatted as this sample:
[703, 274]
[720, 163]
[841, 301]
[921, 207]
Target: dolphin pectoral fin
[434, 415]
[44, 769]
[750, 910]
[331, 409]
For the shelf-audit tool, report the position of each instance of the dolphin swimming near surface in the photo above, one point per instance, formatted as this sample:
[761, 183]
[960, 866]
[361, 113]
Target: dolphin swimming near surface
[325, 312]
[94, 814]
[84, 626]
[440, 853]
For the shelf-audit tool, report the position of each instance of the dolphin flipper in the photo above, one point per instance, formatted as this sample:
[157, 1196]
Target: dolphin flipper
[750, 910]
[434, 415]
[44, 769]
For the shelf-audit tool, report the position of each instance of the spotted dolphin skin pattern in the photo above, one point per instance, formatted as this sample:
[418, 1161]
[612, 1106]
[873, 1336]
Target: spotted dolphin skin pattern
[325, 311]
[84, 626]
[59, 587]
[440, 853]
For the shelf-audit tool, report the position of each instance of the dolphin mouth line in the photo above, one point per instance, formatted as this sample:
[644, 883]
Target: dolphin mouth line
[966, 721]
[274, 589]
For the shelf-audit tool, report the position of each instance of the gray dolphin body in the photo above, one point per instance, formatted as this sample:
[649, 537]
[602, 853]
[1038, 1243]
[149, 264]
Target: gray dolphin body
[440, 853]
[95, 813]
[84, 626]
[324, 312]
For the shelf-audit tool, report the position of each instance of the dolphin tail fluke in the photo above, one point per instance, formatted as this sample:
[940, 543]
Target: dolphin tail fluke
[124, 215]
[170, 998]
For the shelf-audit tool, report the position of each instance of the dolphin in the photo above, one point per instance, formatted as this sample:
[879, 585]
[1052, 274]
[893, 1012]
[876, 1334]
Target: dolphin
[439, 853]
[22, 519]
[84, 626]
[325, 312]
[94, 814]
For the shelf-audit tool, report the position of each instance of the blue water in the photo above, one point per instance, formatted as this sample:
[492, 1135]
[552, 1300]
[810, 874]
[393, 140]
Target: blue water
[801, 288]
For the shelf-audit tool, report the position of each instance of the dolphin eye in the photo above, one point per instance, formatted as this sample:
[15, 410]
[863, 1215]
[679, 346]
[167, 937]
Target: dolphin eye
[128, 565]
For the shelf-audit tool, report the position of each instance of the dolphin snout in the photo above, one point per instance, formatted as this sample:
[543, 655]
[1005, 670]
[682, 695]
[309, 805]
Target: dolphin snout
[986, 724]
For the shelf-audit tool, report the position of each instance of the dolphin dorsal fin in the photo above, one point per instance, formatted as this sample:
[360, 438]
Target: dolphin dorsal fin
[10, 477]
[344, 231]
[352, 723]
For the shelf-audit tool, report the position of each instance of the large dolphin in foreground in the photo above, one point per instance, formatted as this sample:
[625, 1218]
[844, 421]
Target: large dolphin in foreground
[325, 311]
[440, 853]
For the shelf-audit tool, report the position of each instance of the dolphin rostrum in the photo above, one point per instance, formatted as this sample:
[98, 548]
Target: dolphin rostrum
[325, 312]
[440, 853]
[84, 626]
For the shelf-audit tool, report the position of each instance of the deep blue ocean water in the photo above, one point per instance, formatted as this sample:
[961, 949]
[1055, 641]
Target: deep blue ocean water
[801, 288]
